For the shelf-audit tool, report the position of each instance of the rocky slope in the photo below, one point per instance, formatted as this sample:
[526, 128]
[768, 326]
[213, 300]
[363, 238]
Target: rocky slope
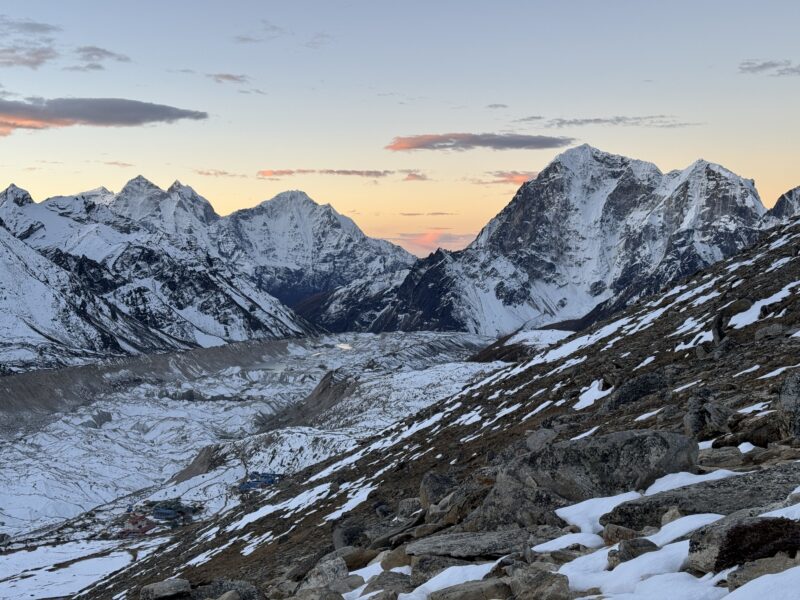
[593, 232]
[652, 455]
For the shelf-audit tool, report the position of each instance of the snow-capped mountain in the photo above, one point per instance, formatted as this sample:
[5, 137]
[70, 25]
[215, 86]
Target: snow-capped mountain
[181, 275]
[593, 232]
[296, 248]
[169, 294]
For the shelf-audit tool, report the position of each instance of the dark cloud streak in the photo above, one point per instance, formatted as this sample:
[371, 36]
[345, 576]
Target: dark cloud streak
[469, 141]
[39, 113]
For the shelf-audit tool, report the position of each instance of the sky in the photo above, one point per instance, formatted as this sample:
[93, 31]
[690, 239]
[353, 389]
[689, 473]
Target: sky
[418, 119]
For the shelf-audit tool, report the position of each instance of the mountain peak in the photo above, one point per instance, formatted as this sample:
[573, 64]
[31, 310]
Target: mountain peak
[293, 197]
[139, 183]
[16, 195]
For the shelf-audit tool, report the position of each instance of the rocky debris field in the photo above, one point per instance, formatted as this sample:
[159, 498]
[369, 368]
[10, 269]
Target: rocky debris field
[654, 455]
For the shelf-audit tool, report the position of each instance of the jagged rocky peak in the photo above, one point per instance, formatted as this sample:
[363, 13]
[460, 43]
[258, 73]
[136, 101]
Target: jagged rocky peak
[178, 209]
[592, 230]
[16, 195]
[787, 206]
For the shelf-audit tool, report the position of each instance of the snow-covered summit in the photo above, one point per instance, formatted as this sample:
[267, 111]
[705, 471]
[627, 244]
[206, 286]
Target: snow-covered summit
[592, 229]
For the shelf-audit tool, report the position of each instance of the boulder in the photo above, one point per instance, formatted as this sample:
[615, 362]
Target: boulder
[456, 505]
[346, 585]
[219, 587]
[736, 540]
[540, 438]
[408, 506]
[636, 389]
[492, 544]
[232, 595]
[433, 487]
[528, 489]
[534, 583]
[630, 549]
[397, 557]
[318, 594]
[487, 589]
[325, 573]
[613, 534]
[354, 557]
[350, 532]
[705, 419]
[169, 588]
[724, 496]
[515, 501]
[399, 583]
[672, 514]
[425, 567]
[789, 405]
[609, 464]
[762, 566]
[726, 457]
[384, 595]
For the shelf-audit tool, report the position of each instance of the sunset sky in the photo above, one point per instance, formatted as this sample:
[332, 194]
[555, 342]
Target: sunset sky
[418, 119]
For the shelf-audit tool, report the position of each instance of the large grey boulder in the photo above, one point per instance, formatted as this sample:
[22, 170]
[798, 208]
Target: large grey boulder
[636, 389]
[609, 464]
[789, 404]
[490, 544]
[724, 496]
[705, 419]
[528, 489]
[760, 567]
[630, 549]
[325, 573]
[433, 487]
[534, 583]
[487, 589]
[167, 589]
[427, 566]
[736, 540]
[391, 581]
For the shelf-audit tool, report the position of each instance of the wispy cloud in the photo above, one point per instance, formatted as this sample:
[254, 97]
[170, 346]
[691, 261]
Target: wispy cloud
[496, 106]
[469, 141]
[756, 66]
[530, 119]
[507, 177]
[97, 54]
[217, 173]
[318, 40]
[661, 121]
[117, 163]
[266, 32]
[413, 175]
[425, 242]
[26, 43]
[39, 113]
[410, 174]
[228, 77]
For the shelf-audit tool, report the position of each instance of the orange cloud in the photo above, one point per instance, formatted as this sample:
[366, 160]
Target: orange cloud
[424, 242]
[514, 177]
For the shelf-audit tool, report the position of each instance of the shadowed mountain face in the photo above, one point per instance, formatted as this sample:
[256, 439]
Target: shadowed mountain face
[592, 230]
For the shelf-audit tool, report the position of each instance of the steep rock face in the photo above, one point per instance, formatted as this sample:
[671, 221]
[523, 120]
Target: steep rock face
[787, 206]
[592, 228]
[296, 248]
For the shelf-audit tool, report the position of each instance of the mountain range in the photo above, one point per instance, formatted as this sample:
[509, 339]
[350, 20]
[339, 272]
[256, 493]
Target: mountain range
[149, 270]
